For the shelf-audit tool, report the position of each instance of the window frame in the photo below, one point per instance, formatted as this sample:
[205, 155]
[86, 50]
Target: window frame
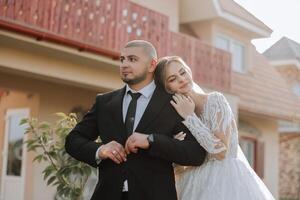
[243, 68]
[259, 155]
[254, 140]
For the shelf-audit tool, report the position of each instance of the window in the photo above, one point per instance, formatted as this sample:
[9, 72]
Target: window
[254, 151]
[15, 145]
[296, 89]
[222, 43]
[238, 53]
[236, 49]
[248, 148]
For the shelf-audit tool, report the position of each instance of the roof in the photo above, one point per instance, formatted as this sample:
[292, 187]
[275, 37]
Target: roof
[284, 49]
[234, 8]
[225, 10]
[263, 91]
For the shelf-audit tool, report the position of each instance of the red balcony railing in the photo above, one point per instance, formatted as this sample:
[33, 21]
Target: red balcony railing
[104, 26]
[210, 66]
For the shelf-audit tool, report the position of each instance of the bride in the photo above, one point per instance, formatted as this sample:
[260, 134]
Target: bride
[226, 174]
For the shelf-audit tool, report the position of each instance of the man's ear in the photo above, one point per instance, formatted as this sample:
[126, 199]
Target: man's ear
[153, 65]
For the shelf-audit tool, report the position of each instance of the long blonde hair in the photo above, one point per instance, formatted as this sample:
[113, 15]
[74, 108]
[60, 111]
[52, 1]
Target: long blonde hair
[160, 72]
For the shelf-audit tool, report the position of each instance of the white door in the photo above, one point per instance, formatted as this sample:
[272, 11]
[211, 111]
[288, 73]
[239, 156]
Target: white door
[14, 156]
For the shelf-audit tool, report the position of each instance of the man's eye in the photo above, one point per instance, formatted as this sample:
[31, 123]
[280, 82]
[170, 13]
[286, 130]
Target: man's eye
[132, 59]
[121, 60]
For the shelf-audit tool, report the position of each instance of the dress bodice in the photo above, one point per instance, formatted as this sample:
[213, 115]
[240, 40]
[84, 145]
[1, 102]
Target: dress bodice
[217, 117]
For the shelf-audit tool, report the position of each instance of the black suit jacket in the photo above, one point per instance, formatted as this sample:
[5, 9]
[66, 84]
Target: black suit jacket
[149, 173]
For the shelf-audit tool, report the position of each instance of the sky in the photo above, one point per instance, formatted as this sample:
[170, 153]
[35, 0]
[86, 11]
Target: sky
[282, 16]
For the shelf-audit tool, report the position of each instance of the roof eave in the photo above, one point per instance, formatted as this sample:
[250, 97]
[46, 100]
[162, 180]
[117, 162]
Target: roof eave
[286, 62]
[256, 31]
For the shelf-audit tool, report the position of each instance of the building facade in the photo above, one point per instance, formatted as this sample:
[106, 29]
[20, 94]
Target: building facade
[284, 56]
[57, 55]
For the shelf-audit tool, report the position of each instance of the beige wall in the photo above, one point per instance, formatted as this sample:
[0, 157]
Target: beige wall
[55, 63]
[169, 8]
[196, 10]
[203, 30]
[53, 98]
[270, 136]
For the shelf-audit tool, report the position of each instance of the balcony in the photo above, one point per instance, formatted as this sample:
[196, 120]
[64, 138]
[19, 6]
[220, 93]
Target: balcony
[103, 27]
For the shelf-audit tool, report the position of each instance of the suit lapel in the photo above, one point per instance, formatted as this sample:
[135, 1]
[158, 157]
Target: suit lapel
[157, 102]
[117, 112]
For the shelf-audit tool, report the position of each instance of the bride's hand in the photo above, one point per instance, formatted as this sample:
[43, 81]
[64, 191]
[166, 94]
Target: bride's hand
[184, 105]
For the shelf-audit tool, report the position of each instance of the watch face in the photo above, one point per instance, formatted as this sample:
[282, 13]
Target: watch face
[149, 139]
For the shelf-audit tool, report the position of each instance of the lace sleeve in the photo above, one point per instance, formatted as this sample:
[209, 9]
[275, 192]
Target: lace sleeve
[220, 118]
[221, 115]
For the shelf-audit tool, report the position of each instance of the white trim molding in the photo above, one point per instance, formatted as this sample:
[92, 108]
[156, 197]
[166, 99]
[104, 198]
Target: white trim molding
[286, 62]
[286, 127]
[240, 22]
[25, 112]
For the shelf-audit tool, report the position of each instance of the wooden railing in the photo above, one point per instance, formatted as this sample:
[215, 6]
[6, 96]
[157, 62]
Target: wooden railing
[211, 66]
[104, 26]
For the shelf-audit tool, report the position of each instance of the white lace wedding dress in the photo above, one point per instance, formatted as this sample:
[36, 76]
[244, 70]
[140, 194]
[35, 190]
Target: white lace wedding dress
[228, 179]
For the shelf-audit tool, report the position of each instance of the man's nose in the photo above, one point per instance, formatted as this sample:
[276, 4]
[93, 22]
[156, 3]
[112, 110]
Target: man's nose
[124, 64]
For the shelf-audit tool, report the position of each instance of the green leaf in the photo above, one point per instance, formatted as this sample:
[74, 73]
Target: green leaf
[60, 187]
[61, 114]
[33, 147]
[38, 158]
[49, 170]
[24, 121]
[60, 192]
[51, 179]
[56, 183]
[78, 191]
[47, 140]
[44, 125]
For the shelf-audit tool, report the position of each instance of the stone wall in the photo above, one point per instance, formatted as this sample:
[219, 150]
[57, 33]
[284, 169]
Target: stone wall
[289, 159]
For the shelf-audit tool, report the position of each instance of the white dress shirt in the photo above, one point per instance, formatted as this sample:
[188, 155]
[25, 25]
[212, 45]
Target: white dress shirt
[142, 102]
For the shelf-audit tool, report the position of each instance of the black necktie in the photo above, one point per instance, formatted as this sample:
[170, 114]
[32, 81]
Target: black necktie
[129, 120]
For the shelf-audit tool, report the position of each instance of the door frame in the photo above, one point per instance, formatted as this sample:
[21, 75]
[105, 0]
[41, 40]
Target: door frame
[8, 113]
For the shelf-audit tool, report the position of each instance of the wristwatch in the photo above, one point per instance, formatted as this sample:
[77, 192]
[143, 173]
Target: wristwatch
[150, 139]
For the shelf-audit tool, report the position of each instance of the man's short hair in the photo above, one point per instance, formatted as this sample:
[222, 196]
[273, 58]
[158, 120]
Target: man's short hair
[147, 46]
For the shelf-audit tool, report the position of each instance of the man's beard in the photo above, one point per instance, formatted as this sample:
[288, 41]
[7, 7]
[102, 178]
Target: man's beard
[135, 80]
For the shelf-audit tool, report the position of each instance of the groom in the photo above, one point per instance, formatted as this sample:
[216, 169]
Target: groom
[136, 125]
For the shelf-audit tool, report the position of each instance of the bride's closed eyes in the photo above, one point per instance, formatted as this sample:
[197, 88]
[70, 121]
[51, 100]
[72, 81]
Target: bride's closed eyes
[172, 78]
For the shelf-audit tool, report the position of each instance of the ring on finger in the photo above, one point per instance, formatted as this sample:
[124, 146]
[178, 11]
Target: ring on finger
[114, 152]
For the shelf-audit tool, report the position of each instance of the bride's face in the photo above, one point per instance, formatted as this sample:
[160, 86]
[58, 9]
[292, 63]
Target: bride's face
[178, 79]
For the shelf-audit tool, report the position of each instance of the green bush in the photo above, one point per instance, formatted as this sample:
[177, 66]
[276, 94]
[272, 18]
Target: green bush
[68, 175]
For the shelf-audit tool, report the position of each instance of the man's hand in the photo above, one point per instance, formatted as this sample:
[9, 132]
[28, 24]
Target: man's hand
[135, 141]
[180, 136]
[113, 151]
